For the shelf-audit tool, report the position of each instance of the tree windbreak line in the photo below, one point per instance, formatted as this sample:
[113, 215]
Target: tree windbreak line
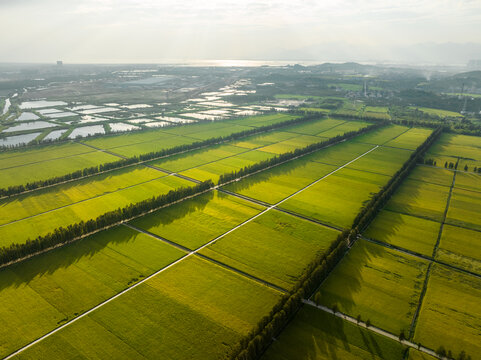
[79, 230]
[59, 236]
[18, 189]
[256, 342]
[249, 169]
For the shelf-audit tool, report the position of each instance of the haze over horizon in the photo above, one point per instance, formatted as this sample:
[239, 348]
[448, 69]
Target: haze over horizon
[437, 32]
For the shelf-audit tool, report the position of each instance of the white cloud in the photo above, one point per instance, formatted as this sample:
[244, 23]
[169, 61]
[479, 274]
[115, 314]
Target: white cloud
[155, 29]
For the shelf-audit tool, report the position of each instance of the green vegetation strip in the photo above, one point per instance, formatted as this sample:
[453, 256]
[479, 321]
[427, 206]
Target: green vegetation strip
[16, 189]
[256, 343]
[59, 236]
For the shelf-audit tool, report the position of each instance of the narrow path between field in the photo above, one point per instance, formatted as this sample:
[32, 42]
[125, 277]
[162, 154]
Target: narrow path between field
[180, 259]
[165, 173]
[47, 160]
[187, 250]
[140, 162]
[418, 255]
[373, 329]
[428, 272]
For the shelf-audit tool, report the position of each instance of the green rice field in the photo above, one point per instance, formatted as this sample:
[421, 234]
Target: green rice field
[451, 306]
[420, 199]
[383, 135]
[461, 247]
[408, 232]
[44, 292]
[316, 127]
[55, 160]
[62, 195]
[379, 284]
[465, 209]
[43, 223]
[274, 247]
[167, 310]
[196, 221]
[337, 199]
[317, 335]
[383, 160]
[411, 139]
[275, 184]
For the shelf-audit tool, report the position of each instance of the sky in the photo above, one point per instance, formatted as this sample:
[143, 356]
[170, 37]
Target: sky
[149, 31]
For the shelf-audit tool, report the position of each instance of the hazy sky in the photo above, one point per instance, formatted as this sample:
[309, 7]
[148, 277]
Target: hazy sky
[150, 31]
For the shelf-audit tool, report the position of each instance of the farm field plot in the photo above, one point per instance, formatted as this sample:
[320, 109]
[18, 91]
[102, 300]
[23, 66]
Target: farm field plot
[195, 158]
[126, 139]
[383, 135]
[468, 181]
[382, 160]
[196, 221]
[316, 335]
[25, 156]
[433, 175]
[292, 144]
[40, 201]
[225, 131]
[465, 209]
[271, 137]
[315, 127]
[151, 146]
[275, 247]
[263, 120]
[464, 146]
[42, 170]
[420, 199]
[411, 139]
[215, 169]
[418, 355]
[344, 128]
[167, 310]
[20, 231]
[273, 185]
[339, 154]
[39, 294]
[460, 247]
[379, 284]
[451, 306]
[337, 199]
[408, 232]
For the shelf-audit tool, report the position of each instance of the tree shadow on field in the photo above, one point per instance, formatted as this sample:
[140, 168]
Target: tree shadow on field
[315, 334]
[341, 287]
[285, 169]
[347, 278]
[54, 190]
[65, 256]
[174, 212]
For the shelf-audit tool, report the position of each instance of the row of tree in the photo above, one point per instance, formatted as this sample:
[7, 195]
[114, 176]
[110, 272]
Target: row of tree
[64, 235]
[18, 189]
[249, 169]
[254, 344]
[377, 201]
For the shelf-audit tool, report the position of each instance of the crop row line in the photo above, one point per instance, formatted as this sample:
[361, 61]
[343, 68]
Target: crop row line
[182, 258]
[428, 272]
[208, 258]
[144, 158]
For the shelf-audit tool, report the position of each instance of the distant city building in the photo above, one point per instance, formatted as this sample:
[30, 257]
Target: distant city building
[59, 62]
